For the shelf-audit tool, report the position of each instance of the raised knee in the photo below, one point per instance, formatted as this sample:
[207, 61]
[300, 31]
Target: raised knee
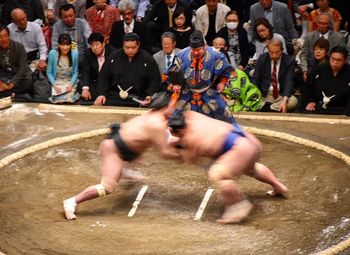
[107, 146]
[217, 172]
[106, 187]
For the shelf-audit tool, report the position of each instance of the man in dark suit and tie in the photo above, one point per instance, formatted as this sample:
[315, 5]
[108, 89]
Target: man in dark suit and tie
[129, 25]
[93, 61]
[274, 75]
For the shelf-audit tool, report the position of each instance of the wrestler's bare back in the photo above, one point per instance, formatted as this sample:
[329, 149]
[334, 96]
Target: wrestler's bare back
[204, 136]
[144, 131]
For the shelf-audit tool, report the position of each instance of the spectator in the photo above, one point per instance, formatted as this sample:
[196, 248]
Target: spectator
[265, 34]
[79, 6]
[327, 89]
[128, 71]
[278, 16]
[31, 36]
[323, 5]
[210, 18]
[101, 17]
[274, 76]
[48, 27]
[304, 8]
[220, 44]
[323, 30]
[129, 25]
[33, 9]
[92, 64]
[320, 51]
[182, 28]
[320, 56]
[15, 74]
[160, 18]
[206, 72]
[237, 39]
[166, 57]
[62, 71]
[48, 4]
[141, 7]
[77, 28]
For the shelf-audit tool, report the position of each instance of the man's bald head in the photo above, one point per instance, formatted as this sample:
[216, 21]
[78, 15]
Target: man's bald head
[19, 17]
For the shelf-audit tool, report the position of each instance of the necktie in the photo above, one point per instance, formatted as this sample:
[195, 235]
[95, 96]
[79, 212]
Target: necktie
[170, 17]
[274, 80]
[168, 62]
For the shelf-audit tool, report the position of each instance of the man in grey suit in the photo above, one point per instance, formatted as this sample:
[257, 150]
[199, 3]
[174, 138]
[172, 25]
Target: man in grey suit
[166, 56]
[323, 30]
[278, 15]
[274, 73]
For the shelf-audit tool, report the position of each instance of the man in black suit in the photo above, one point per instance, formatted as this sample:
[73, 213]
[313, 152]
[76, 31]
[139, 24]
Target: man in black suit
[93, 61]
[129, 75]
[273, 75]
[159, 19]
[129, 25]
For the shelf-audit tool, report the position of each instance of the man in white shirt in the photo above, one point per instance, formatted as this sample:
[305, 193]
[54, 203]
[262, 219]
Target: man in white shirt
[31, 36]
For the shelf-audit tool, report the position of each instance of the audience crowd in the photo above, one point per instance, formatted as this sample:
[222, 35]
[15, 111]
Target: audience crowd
[294, 54]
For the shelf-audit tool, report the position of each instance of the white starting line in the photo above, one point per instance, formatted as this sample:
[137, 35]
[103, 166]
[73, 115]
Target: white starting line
[138, 200]
[198, 215]
[204, 203]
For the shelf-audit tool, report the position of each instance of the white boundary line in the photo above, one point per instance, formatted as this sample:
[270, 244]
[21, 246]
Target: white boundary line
[203, 204]
[138, 200]
[253, 116]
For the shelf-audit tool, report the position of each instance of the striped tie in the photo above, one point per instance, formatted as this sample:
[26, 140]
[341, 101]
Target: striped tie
[168, 62]
[274, 80]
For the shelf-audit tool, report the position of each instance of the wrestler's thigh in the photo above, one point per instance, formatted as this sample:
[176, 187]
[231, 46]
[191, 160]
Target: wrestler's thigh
[240, 158]
[112, 164]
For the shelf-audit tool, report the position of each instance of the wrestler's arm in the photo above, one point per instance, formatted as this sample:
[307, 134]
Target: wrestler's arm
[188, 154]
[166, 144]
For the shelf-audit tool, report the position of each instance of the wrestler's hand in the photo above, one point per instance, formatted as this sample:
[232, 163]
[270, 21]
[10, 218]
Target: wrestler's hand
[100, 100]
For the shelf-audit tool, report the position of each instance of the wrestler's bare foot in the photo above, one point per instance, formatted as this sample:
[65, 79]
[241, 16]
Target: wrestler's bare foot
[279, 189]
[69, 208]
[236, 212]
